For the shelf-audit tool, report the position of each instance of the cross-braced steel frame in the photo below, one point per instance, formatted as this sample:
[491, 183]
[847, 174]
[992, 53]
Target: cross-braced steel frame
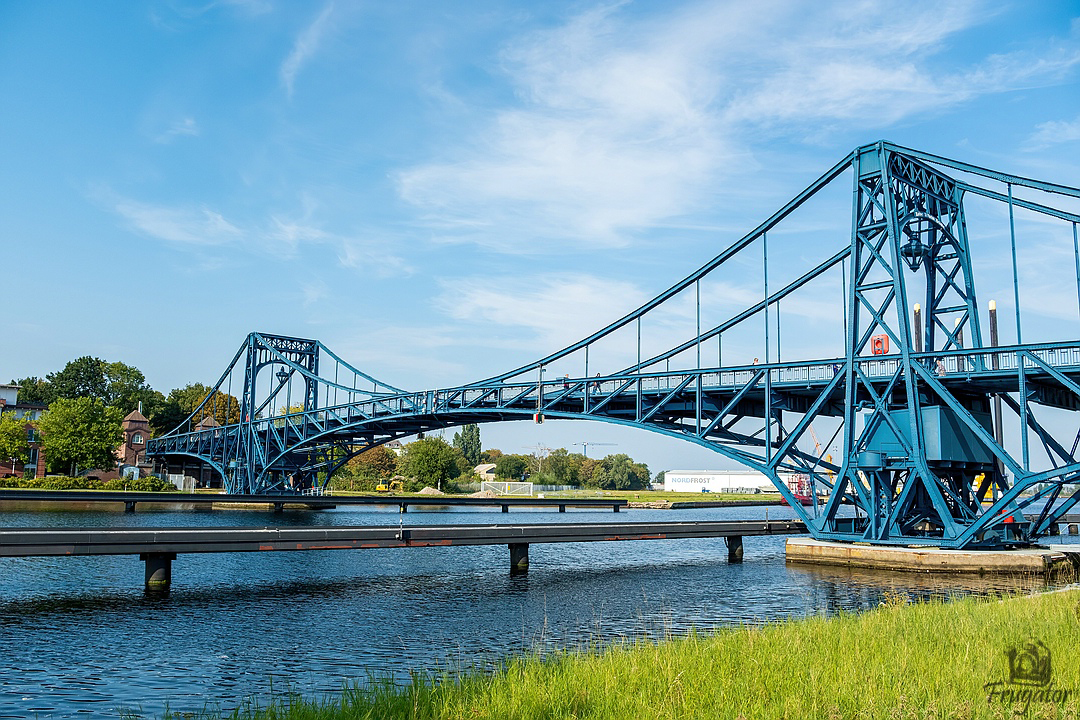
[916, 397]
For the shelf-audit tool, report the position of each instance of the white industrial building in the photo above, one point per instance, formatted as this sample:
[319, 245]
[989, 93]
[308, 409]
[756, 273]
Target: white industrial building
[718, 481]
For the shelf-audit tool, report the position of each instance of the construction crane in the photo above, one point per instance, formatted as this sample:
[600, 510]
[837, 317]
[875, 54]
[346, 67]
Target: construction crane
[585, 446]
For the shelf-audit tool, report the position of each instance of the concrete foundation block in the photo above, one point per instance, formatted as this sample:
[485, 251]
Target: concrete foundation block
[1033, 561]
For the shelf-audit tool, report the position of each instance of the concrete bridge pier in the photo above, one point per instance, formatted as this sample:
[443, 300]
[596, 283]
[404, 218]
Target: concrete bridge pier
[129, 506]
[734, 548]
[519, 558]
[158, 571]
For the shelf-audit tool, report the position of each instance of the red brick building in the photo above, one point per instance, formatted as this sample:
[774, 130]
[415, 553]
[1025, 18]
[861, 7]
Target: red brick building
[136, 431]
[35, 463]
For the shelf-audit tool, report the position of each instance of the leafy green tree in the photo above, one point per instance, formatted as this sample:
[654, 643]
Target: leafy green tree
[182, 402]
[13, 438]
[166, 416]
[468, 441]
[429, 460]
[490, 455]
[511, 467]
[562, 467]
[587, 472]
[224, 408]
[378, 463]
[80, 433]
[464, 467]
[284, 411]
[33, 390]
[82, 377]
[619, 472]
[126, 387]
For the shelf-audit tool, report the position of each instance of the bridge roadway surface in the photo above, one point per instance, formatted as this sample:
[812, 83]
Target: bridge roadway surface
[130, 499]
[25, 542]
[159, 546]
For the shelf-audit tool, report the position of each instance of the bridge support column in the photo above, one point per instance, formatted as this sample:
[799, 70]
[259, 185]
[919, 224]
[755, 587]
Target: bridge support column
[519, 557]
[403, 508]
[279, 508]
[158, 571]
[734, 548]
[1072, 529]
[129, 506]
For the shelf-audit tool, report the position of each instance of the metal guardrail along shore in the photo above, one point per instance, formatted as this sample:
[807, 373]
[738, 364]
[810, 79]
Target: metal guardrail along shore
[158, 547]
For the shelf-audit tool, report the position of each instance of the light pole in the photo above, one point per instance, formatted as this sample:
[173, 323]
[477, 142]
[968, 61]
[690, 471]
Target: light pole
[538, 418]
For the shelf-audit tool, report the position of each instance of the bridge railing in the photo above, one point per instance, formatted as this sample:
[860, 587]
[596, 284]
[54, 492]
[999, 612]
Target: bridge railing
[955, 362]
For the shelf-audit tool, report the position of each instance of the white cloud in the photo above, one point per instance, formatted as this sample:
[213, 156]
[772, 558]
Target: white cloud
[608, 136]
[183, 127]
[312, 293]
[192, 226]
[307, 43]
[622, 124]
[278, 236]
[556, 310]
[1054, 132]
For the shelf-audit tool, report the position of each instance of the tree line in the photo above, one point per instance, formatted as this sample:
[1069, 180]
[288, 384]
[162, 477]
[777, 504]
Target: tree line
[85, 404]
[431, 461]
[87, 400]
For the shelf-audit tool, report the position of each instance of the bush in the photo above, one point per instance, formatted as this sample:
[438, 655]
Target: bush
[63, 482]
[355, 483]
[144, 484]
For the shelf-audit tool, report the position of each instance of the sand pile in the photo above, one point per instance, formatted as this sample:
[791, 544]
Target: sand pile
[430, 491]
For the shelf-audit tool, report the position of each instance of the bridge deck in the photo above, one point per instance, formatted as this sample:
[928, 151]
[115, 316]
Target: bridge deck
[29, 542]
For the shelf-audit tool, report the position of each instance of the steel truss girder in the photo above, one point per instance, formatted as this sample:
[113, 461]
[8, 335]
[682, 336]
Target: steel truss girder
[908, 238]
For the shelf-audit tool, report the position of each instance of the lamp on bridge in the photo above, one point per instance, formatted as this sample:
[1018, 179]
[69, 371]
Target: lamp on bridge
[282, 376]
[913, 252]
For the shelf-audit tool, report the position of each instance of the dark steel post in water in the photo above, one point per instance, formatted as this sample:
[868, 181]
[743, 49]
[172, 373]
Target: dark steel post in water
[519, 557]
[997, 398]
[734, 548]
[158, 571]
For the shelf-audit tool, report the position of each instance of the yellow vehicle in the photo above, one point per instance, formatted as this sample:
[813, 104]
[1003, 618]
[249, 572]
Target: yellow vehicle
[394, 486]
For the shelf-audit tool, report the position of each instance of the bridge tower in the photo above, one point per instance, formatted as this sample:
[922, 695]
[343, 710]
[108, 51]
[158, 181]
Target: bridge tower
[909, 459]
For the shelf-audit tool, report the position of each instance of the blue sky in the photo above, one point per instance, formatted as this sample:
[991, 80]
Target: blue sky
[440, 192]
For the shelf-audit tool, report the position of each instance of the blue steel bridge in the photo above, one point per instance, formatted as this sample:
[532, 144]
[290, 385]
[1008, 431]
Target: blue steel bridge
[938, 434]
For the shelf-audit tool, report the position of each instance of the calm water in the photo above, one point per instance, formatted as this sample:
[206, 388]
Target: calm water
[79, 638]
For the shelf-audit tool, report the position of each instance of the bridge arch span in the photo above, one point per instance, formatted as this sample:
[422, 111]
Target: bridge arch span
[923, 455]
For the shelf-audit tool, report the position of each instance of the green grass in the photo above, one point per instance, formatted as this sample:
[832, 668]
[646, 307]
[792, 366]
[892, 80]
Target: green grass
[899, 661]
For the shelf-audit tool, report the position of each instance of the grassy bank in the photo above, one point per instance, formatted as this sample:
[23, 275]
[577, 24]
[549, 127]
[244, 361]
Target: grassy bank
[900, 661]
